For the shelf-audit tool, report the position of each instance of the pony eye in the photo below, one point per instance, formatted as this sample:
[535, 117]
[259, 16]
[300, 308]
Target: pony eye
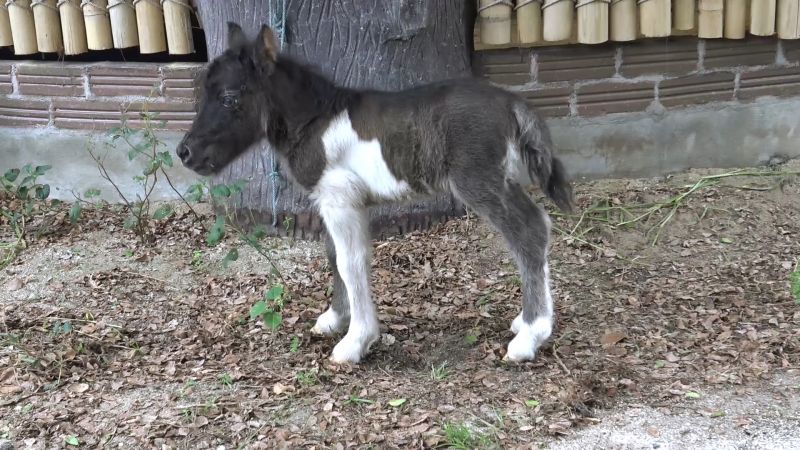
[229, 101]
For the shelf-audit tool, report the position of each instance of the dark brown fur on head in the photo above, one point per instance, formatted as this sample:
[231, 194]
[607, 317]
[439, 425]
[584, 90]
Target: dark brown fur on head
[232, 106]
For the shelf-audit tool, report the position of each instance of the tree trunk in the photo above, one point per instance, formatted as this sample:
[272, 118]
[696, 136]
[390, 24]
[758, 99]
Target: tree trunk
[383, 44]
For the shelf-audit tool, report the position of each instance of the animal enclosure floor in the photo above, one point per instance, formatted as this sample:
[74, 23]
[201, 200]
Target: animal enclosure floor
[697, 337]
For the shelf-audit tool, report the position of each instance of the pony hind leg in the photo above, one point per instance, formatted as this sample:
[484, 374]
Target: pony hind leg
[526, 228]
[337, 316]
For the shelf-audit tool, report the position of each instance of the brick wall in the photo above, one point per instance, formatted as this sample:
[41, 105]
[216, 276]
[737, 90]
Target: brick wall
[95, 96]
[645, 75]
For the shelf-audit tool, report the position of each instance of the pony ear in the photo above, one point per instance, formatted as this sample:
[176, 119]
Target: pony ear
[236, 37]
[267, 45]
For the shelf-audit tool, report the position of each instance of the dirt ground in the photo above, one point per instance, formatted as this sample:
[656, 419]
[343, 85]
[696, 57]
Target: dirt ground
[693, 342]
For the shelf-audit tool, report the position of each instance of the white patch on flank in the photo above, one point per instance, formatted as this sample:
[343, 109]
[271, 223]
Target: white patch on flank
[329, 323]
[515, 167]
[516, 324]
[362, 160]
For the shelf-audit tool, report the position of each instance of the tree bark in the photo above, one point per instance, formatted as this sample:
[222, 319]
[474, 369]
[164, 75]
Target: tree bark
[383, 44]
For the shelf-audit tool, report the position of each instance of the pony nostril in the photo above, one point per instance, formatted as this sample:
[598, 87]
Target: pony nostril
[183, 151]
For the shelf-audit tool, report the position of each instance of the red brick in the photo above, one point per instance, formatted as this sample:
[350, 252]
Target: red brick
[696, 89]
[181, 80]
[51, 79]
[24, 112]
[5, 78]
[91, 114]
[570, 63]
[132, 79]
[510, 66]
[778, 82]
[551, 101]
[752, 51]
[659, 57]
[614, 97]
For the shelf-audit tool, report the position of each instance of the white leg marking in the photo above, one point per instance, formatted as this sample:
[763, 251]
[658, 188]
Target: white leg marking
[329, 322]
[516, 324]
[348, 228]
[530, 336]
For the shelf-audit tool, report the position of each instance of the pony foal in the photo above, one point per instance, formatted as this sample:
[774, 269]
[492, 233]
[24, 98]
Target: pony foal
[350, 149]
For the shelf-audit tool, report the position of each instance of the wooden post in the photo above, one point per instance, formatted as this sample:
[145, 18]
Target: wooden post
[762, 18]
[495, 21]
[789, 19]
[623, 20]
[710, 19]
[5, 26]
[684, 14]
[735, 19]
[655, 18]
[23, 30]
[178, 20]
[48, 26]
[558, 16]
[123, 23]
[73, 28]
[529, 21]
[150, 23]
[592, 21]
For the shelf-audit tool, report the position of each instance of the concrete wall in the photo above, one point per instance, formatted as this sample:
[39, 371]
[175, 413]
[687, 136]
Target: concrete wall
[73, 168]
[656, 143]
[615, 145]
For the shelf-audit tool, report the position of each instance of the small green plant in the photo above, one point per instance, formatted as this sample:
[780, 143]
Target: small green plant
[440, 373]
[269, 309]
[460, 436]
[197, 258]
[225, 380]
[794, 281]
[21, 198]
[354, 400]
[294, 345]
[307, 377]
[143, 147]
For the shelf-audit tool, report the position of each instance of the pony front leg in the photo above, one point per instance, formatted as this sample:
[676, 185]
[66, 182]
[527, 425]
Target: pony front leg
[348, 227]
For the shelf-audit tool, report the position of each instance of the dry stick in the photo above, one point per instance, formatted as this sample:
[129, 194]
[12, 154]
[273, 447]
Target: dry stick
[673, 203]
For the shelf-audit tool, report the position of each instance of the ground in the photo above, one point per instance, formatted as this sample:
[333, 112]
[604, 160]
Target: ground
[689, 342]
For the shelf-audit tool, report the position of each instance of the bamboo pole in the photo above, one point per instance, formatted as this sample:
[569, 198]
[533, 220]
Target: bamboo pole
[178, 20]
[48, 26]
[5, 27]
[735, 19]
[558, 16]
[529, 20]
[684, 14]
[123, 23]
[150, 23]
[623, 20]
[789, 19]
[592, 21]
[762, 18]
[710, 19]
[98, 24]
[73, 28]
[23, 29]
[495, 21]
[655, 18]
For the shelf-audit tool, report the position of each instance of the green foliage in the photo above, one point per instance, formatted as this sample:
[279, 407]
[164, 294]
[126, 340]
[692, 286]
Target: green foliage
[307, 377]
[143, 147]
[269, 309]
[460, 436]
[440, 373]
[22, 197]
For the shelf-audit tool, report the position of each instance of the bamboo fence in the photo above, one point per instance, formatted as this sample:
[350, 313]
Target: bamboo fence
[502, 23]
[76, 27]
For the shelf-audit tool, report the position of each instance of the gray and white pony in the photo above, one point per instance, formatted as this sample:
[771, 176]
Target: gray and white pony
[351, 149]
